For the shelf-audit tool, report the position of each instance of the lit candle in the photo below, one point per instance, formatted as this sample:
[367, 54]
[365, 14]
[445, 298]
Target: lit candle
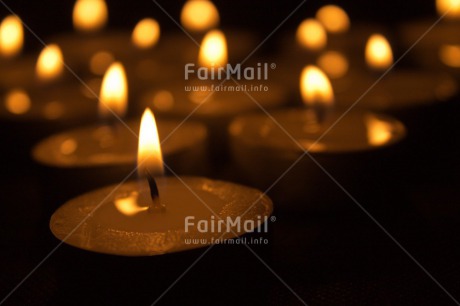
[157, 214]
[343, 146]
[208, 95]
[11, 37]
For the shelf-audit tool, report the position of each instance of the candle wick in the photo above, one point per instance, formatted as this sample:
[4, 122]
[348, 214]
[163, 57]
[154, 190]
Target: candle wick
[155, 205]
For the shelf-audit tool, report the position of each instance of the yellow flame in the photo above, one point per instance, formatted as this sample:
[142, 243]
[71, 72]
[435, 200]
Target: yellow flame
[335, 64]
[50, 63]
[315, 87]
[90, 15]
[379, 55]
[379, 132]
[129, 206]
[450, 55]
[333, 18]
[213, 51]
[199, 15]
[449, 7]
[114, 91]
[17, 101]
[149, 156]
[311, 35]
[11, 36]
[146, 33]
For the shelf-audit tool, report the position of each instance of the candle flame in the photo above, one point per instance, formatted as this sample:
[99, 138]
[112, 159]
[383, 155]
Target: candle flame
[333, 18]
[146, 33]
[11, 36]
[335, 64]
[379, 132]
[213, 51]
[379, 55]
[149, 156]
[450, 55]
[50, 63]
[311, 35]
[315, 87]
[90, 15]
[114, 91]
[199, 15]
[17, 101]
[449, 7]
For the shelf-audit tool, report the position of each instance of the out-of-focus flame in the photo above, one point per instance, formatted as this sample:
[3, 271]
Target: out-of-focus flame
[100, 62]
[163, 100]
[129, 206]
[315, 87]
[213, 51]
[17, 101]
[333, 18]
[149, 156]
[450, 55]
[114, 91]
[90, 15]
[146, 33]
[449, 7]
[379, 132]
[68, 146]
[379, 55]
[11, 36]
[311, 35]
[50, 63]
[199, 15]
[335, 64]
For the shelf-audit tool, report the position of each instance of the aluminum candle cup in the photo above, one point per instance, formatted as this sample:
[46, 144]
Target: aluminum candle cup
[113, 222]
[356, 152]
[100, 155]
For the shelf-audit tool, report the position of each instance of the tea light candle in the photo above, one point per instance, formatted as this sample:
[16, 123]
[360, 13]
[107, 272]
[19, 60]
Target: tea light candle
[150, 218]
[343, 147]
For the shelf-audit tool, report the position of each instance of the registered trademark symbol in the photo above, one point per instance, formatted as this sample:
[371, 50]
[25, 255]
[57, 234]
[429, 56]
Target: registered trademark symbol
[273, 66]
[272, 218]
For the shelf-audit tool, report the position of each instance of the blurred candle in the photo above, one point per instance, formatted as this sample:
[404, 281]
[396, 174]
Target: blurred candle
[11, 36]
[311, 35]
[333, 18]
[199, 15]
[90, 15]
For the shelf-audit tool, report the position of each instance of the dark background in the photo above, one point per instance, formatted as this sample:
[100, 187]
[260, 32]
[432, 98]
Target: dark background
[334, 259]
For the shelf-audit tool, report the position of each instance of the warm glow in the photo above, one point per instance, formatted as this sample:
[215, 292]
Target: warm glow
[149, 156]
[11, 36]
[213, 51]
[90, 15]
[379, 55]
[100, 62]
[17, 101]
[163, 100]
[379, 132]
[451, 7]
[128, 206]
[315, 87]
[50, 63]
[311, 35]
[333, 18]
[335, 64]
[146, 33]
[114, 91]
[450, 55]
[199, 15]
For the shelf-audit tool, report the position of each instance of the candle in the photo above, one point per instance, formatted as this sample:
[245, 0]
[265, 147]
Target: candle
[350, 148]
[209, 95]
[157, 215]
[11, 37]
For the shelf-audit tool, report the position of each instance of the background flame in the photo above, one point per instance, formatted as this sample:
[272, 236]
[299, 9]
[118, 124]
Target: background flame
[451, 7]
[11, 36]
[213, 51]
[333, 18]
[311, 35]
[149, 156]
[50, 63]
[379, 55]
[114, 91]
[90, 15]
[315, 87]
[199, 15]
[146, 33]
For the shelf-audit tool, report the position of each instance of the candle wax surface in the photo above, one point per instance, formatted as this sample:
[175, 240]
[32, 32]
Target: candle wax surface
[95, 221]
[356, 131]
[113, 145]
